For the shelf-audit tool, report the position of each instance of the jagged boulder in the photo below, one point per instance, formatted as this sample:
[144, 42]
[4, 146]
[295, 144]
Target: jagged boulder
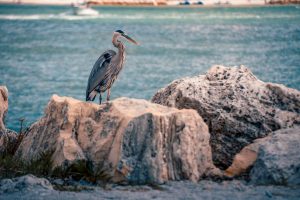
[3, 107]
[126, 140]
[237, 107]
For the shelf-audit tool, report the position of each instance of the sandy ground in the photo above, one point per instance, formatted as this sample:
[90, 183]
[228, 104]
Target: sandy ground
[173, 190]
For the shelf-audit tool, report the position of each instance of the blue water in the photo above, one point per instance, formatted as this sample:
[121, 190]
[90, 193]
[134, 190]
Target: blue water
[45, 50]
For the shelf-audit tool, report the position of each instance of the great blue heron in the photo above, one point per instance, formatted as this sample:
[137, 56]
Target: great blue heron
[107, 68]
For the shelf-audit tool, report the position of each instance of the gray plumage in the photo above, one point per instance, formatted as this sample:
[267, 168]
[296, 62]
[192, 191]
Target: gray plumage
[107, 68]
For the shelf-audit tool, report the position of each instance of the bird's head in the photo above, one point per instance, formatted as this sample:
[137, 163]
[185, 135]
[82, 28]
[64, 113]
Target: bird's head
[121, 34]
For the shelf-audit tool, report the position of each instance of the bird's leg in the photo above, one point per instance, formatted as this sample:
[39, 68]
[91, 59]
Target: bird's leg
[100, 98]
[108, 95]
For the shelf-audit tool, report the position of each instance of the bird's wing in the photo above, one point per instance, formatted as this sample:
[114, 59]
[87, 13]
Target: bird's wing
[98, 71]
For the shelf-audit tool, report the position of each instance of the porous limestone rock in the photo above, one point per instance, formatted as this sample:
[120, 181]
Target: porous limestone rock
[237, 107]
[125, 140]
[3, 107]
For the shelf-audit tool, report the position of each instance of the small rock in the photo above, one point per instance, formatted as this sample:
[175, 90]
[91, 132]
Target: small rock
[268, 194]
[27, 182]
[58, 181]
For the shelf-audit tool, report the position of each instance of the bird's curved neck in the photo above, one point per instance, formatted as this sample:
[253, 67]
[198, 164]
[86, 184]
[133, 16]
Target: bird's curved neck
[118, 44]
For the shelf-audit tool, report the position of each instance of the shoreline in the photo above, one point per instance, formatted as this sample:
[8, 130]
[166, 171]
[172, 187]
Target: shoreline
[159, 3]
[156, 6]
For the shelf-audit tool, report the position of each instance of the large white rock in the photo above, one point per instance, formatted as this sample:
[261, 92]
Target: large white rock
[126, 140]
[236, 106]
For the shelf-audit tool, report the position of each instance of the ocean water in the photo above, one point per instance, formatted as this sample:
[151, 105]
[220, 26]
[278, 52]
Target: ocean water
[44, 50]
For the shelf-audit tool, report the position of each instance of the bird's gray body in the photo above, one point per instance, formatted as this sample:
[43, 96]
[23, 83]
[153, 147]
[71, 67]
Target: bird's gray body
[107, 68]
[104, 73]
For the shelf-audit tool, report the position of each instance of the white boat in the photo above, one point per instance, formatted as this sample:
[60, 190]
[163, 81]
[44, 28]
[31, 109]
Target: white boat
[84, 9]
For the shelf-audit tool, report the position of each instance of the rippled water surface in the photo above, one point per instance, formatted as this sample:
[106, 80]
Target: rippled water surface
[45, 50]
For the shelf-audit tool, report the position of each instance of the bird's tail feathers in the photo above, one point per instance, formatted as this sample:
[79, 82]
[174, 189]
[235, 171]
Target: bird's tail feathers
[91, 96]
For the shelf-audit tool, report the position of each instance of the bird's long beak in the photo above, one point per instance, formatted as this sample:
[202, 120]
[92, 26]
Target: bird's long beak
[130, 39]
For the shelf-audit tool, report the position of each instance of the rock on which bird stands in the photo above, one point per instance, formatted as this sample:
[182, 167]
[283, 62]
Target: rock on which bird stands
[237, 107]
[125, 140]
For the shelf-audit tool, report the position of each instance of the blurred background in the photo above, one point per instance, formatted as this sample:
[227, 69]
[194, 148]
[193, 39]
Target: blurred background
[49, 47]
[154, 2]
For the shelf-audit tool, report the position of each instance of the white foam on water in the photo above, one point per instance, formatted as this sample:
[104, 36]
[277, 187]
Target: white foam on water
[66, 16]
[62, 16]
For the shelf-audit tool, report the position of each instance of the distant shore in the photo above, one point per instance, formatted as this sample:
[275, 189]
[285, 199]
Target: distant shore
[158, 6]
[147, 3]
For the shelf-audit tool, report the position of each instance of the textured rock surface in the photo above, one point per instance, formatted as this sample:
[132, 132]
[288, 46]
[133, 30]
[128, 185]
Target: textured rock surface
[7, 137]
[24, 183]
[285, 150]
[278, 160]
[236, 106]
[124, 140]
[8, 142]
[170, 191]
[3, 107]
[245, 159]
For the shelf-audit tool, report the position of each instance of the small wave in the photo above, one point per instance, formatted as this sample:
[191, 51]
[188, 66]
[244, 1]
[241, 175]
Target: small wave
[25, 17]
[62, 16]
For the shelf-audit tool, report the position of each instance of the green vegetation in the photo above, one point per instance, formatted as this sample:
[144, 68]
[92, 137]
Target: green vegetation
[11, 167]
[41, 167]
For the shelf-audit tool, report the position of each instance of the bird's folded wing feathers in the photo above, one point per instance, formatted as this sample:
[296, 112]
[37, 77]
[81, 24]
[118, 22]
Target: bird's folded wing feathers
[99, 70]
